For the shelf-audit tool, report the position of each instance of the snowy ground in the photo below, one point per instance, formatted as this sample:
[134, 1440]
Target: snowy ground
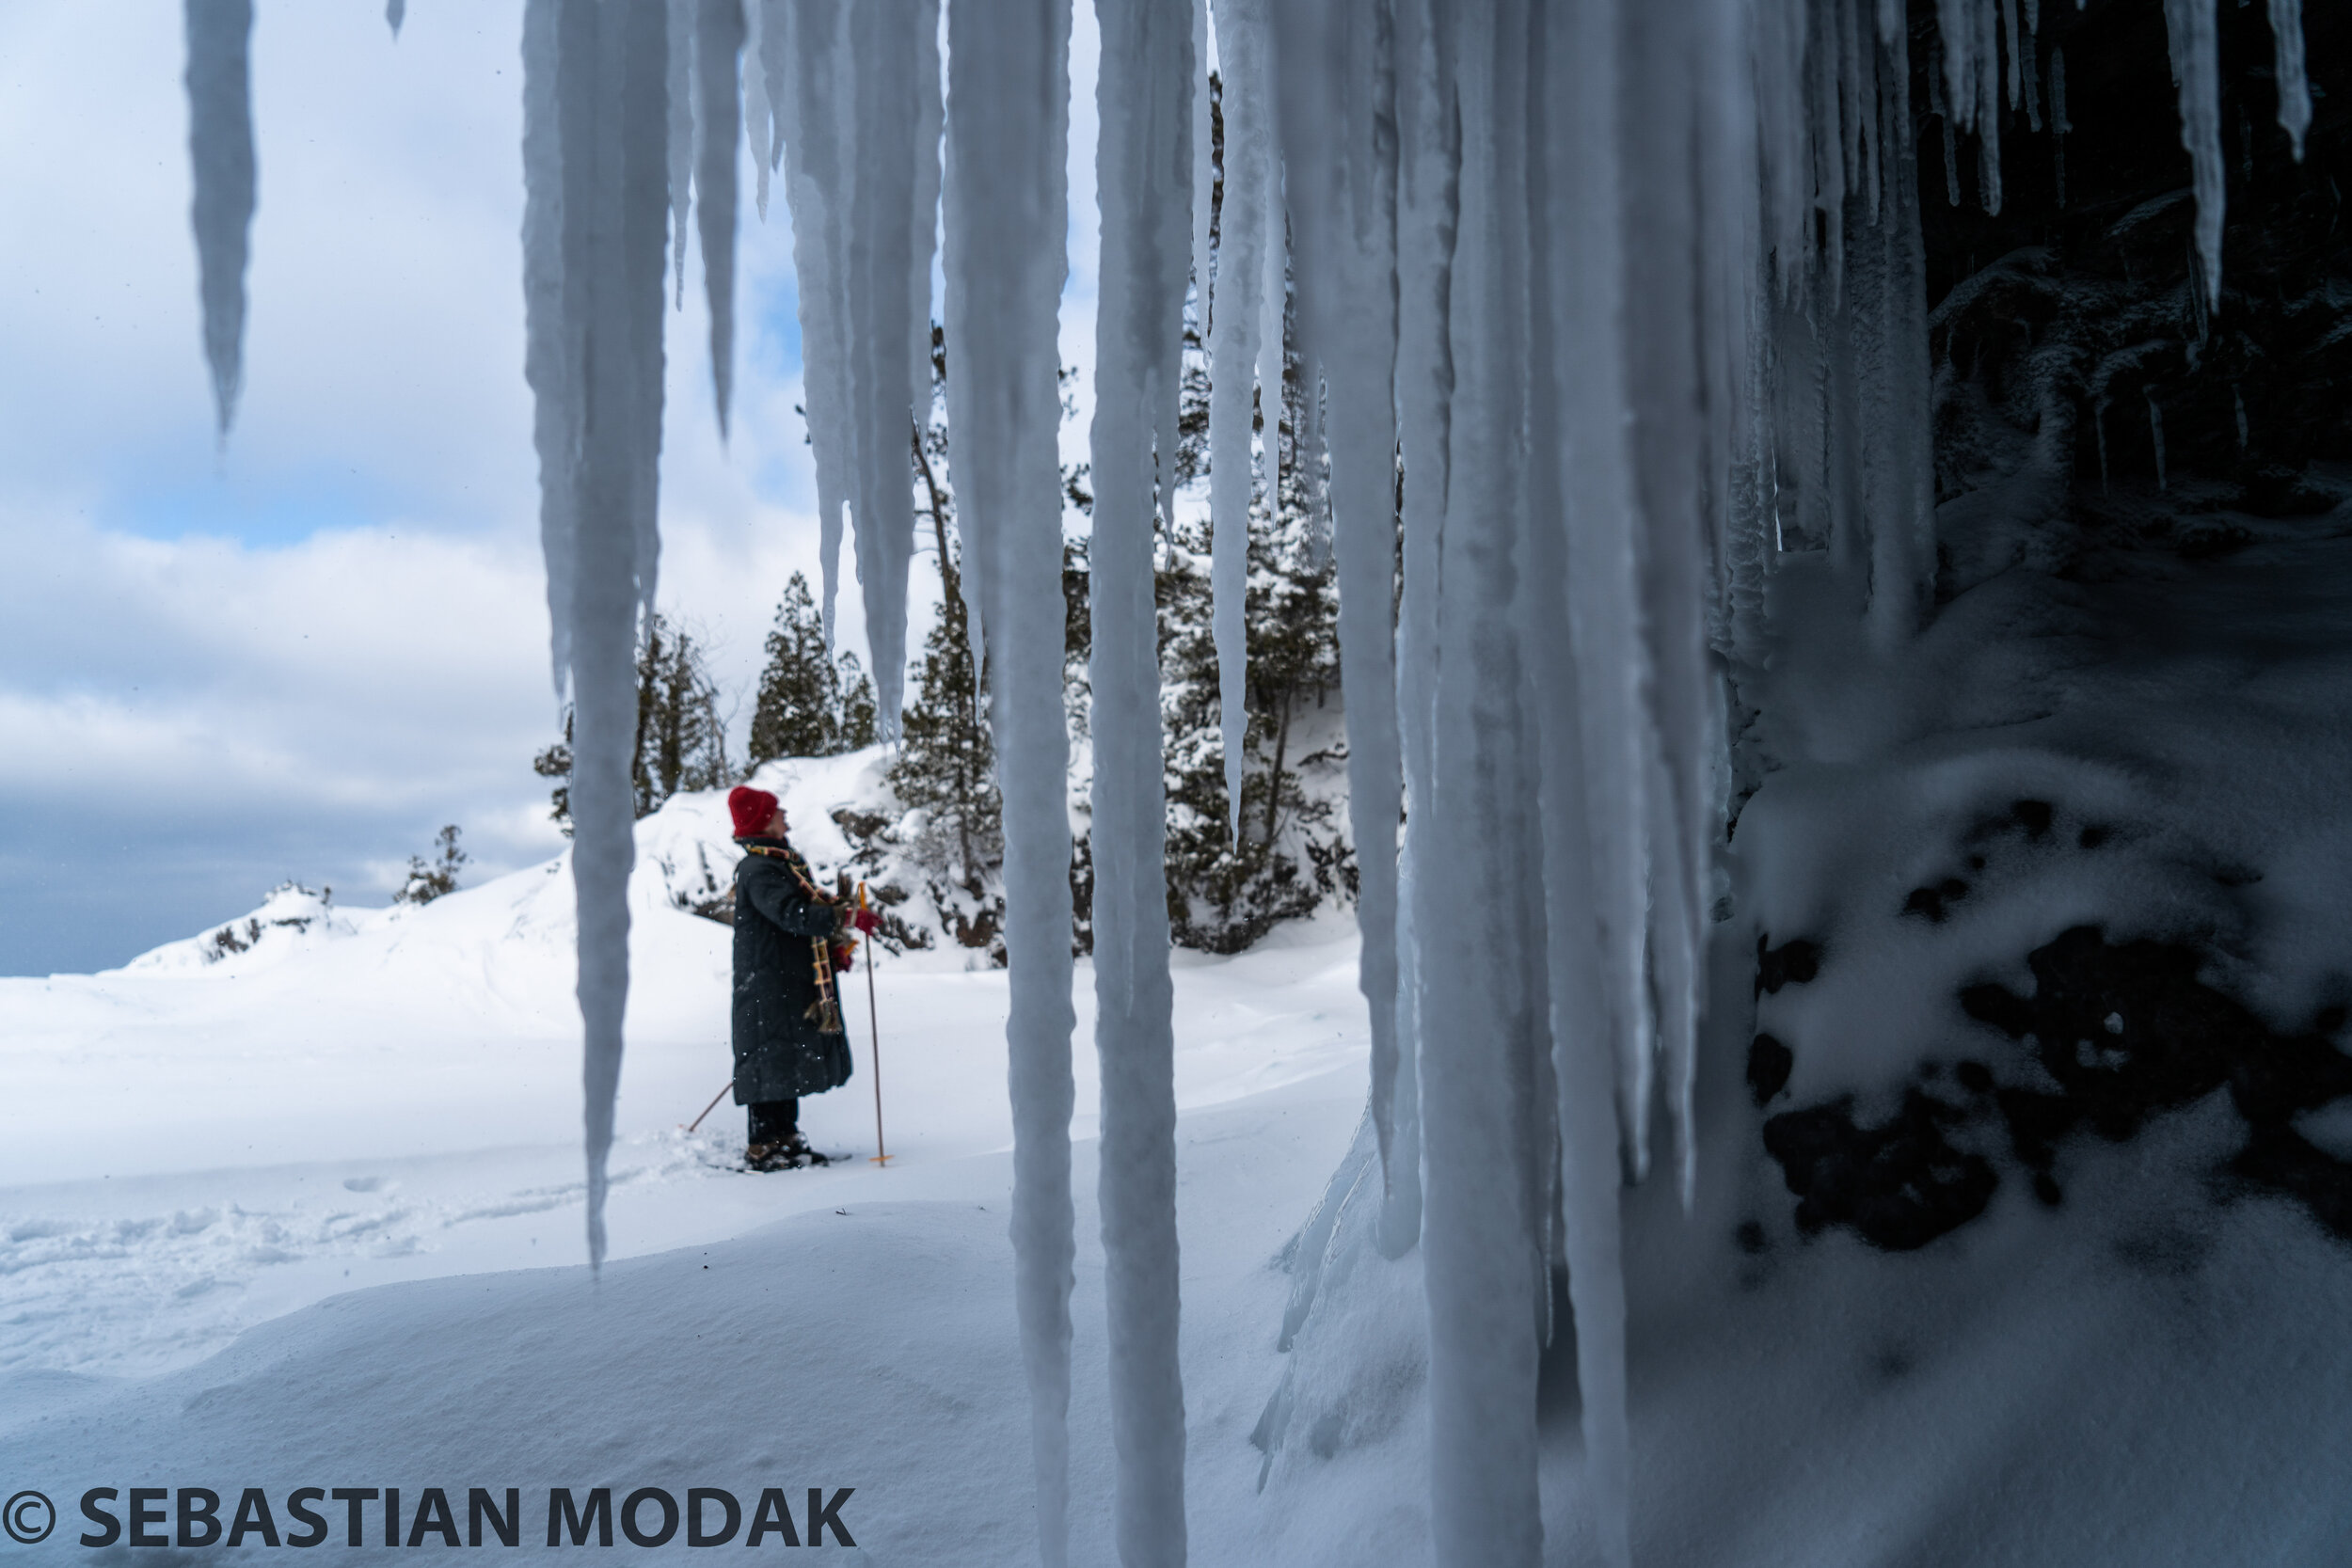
[385, 1099]
[309, 1215]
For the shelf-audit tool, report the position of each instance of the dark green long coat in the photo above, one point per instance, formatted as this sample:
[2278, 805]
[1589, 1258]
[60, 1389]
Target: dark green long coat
[783, 1049]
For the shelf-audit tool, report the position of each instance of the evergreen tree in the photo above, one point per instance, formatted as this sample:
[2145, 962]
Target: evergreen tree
[945, 766]
[429, 880]
[1224, 892]
[681, 735]
[808, 705]
[680, 741]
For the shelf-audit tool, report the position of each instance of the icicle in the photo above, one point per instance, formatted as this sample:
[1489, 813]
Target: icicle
[2295, 88]
[396, 12]
[1144, 91]
[1853, 63]
[2156, 433]
[885, 104]
[2058, 127]
[2010, 39]
[1486, 1081]
[1428, 198]
[763, 118]
[1828, 143]
[2033, 22]
[1584, 802]
[924, 236]
[2237, 397]
[596, 106]
[2197, 71]
[546, 360]
[1275, 301]
[1007, 211]
[1779, 83]
[718, 46]
[1234, 350]
[1204, 167]
[1941, 107]
[2032, 81]
[1865, 126]
[1661, 357]
[220, 153]
[1988, 116]
[803, 59]
[681, 140]
[1338, 95]
[1956, 30]
[1893, 383]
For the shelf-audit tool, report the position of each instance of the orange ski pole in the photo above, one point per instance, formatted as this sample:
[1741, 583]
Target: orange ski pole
[873, 1021]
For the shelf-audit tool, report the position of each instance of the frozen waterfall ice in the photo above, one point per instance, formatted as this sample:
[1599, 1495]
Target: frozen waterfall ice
[1593, 303]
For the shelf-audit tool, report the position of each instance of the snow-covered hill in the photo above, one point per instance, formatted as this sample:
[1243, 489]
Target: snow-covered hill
[315, 1096]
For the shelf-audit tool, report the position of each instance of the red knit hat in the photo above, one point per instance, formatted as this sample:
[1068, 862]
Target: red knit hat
[751, 809]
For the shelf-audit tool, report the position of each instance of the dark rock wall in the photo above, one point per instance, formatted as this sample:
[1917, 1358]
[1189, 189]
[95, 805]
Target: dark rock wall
[2081, 309]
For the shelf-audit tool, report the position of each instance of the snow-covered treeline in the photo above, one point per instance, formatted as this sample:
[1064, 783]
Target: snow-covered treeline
[1619, 288]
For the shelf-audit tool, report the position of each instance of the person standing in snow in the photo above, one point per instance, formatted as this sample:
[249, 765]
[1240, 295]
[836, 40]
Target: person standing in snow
[791, 941]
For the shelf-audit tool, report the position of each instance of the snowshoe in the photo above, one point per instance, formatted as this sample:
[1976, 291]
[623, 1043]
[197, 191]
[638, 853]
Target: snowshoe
[797, 1148]
[768, 1157]
[791, 1153]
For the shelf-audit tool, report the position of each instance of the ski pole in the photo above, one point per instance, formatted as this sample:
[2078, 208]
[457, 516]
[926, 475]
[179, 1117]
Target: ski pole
[873, 1020]
[712, 1106]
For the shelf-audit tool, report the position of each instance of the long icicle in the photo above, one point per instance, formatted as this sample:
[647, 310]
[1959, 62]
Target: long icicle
[220, 154]
[2196, 72]
[1273, 302]
[885, 104]
[547, 349]
[1429, 212]
[1143, 179]
[1234, 354]
[1008, 129]
[1578, 396]
[718, 48]
[923, 235]
[679, 92]
[1482, 1088]
[2294, 88]
[1338, 93]
[803, 61]
[608, 67]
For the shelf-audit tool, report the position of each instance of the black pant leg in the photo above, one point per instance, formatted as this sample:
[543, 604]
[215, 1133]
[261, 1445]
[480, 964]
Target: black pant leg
[774, 1121]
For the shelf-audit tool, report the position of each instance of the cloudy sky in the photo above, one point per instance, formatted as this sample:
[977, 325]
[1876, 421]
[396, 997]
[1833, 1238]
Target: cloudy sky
[299, 656]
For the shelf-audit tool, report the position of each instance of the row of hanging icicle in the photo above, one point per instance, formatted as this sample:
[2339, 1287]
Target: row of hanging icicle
[1553, 260]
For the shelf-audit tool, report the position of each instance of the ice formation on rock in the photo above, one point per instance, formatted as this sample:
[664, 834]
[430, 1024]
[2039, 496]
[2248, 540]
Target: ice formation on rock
[1597, 305]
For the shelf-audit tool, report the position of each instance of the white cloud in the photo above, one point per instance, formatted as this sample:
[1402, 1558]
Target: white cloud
[301, 654]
